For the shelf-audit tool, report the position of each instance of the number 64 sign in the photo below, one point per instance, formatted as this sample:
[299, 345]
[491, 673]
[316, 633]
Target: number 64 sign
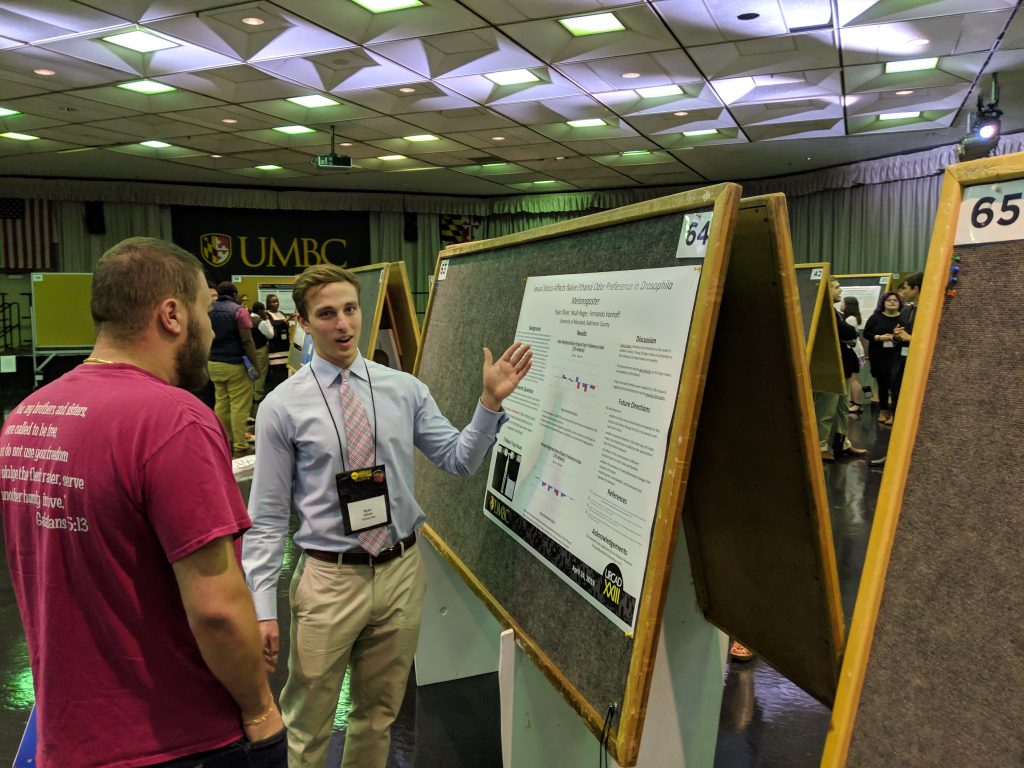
[991, 213]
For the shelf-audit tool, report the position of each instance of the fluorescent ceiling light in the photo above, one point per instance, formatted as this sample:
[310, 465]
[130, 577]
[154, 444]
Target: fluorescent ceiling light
[911, 65]
[904, 93]
[268, 167]
[391, 157]
[420, 137]
[312, 101]
[141, 41]
[594, 24]
[492, 165]
[147, 86]
[705, 132]
[383, 6]
[634, 152]
[899, 115]
[155, 144]
[512, 77]
[293, 129]
[253, 21]
[590, 123]
[659, 90]
[44, 72]
[545, 181]
[4, 112]
[19, 136]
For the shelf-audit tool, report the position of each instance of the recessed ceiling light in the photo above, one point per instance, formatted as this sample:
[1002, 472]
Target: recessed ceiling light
[899, 115]
[594, 24]
[141, 41]
[229, 120]
[155, 144]
[911, 65]
[148, 87]
[659, 90]
[407, 89]
[704, 132]
[216, 157]
[903, 93]
[634, 152]
[512, 77]
[545, 181]
[4, 112]
[631, 75]
[383, 6]
[253, 21]
[748, 16]
[268, 167]
[312, 101]
[560, 157]
[681, 113]
[497, 138]
[345, 144]
[391, 157]
[589, 123]
[19, 136]
[919, 42]
[293, 129]
[44, 72]
[421, 137]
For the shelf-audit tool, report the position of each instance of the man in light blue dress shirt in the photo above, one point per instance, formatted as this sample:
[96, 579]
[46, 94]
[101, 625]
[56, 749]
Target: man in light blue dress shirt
[350, 609]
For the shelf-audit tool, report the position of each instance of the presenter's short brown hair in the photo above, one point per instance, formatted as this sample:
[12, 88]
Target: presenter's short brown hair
[314, 277]
[133, 277]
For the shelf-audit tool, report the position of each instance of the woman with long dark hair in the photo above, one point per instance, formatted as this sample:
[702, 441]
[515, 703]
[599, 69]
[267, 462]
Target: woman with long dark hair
[878, 332]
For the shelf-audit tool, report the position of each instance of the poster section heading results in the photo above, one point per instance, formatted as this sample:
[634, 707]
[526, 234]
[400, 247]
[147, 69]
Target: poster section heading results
[577, 470]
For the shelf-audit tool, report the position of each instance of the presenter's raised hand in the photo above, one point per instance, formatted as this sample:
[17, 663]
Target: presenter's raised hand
[503, 375]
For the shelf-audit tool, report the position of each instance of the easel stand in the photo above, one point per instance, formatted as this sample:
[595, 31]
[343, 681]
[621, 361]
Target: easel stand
[539, 728]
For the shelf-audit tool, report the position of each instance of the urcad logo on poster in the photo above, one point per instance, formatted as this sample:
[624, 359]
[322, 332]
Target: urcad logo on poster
[215, 249]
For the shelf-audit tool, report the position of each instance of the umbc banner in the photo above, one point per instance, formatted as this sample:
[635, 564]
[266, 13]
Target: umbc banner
[246, 241]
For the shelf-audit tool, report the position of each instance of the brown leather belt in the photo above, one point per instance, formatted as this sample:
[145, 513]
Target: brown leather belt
[364, 558]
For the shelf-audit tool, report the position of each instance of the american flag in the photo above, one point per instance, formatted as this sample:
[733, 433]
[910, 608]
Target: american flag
[27, 234]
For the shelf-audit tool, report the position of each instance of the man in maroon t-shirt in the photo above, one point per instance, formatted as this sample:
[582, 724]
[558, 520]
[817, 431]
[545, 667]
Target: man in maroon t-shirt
[121, 518]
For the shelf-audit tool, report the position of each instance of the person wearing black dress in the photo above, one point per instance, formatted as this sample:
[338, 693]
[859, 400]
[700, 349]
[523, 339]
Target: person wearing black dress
[878, 332]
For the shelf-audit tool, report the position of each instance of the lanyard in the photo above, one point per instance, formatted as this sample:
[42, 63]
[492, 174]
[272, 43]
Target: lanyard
[373, 405]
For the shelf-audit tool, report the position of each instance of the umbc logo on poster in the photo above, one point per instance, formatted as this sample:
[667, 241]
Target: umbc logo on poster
[217, 250]
[611, 586]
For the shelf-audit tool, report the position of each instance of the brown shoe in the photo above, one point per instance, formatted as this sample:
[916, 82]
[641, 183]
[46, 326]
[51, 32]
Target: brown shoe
[855, 451]
[828, 457]
[884, 416]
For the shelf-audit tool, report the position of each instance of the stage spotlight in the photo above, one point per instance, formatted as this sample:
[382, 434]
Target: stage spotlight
[983, 127]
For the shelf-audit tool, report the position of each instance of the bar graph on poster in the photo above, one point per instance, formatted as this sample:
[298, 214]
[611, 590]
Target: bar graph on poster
[577, 470]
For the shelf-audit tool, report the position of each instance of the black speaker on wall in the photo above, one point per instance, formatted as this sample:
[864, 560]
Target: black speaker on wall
[95, 223]
[410, 231]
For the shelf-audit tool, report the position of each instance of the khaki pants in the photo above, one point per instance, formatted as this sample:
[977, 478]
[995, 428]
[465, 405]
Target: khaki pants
[359, 617]
[831, 411]
[233, 391]
[262, 362]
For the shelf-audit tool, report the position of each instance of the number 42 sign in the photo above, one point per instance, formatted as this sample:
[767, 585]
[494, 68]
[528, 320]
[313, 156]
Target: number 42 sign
[991, 213]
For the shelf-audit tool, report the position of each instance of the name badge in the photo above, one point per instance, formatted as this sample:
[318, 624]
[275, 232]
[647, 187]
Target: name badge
[887, 344]
[905, 351]
[363, 495]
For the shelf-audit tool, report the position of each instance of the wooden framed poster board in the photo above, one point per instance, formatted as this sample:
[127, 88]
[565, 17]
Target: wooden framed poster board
[819, 325]
[739, 532]
[475, 300]
[933, 672]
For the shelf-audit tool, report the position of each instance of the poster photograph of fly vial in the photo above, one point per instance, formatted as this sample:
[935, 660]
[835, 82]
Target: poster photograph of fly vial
[577, 470]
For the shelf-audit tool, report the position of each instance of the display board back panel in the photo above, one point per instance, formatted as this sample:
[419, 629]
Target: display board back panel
[477, 293]
[739, 533]
[809, 285]
[372, 284]
[60, 308]
[933, 673]
[819, 323]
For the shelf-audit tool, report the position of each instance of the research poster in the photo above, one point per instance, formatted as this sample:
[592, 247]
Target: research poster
[577, 470]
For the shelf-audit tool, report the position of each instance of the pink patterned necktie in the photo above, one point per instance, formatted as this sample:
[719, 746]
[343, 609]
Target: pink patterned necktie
[359, 439]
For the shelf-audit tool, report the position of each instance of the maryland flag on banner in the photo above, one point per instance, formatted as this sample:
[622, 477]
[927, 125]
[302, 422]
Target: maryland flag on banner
[27, 234]
[458, 229]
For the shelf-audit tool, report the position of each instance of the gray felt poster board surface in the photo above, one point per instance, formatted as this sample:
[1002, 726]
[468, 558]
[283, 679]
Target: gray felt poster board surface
[477, 303]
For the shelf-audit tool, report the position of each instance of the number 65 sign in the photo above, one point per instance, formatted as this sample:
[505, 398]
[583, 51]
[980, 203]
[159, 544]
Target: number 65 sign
[991, 213]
